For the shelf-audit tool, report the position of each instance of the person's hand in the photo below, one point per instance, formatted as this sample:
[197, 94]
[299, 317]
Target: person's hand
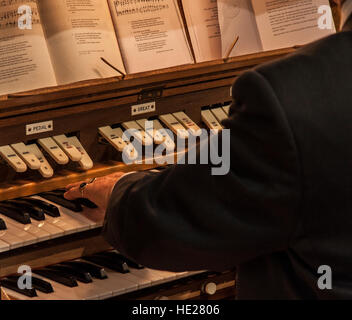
[98, 192]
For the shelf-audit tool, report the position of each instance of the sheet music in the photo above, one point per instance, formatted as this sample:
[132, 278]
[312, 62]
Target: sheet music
[79, 33]
[289, 23]
[203, 25]
[236, 18]
[150, 33]
[24, 58]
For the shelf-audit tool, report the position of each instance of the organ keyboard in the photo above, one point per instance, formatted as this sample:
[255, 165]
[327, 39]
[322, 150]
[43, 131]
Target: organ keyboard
[53, 137]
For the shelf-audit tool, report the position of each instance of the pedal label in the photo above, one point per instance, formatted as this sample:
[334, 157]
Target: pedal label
[39, 127]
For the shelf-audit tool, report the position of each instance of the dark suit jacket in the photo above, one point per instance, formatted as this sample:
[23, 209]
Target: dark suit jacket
[284, 209]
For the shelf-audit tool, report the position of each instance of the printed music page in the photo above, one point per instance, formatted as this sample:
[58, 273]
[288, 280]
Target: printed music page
[24, 57]
[151, 34]
[203, 25]
[79, 33]
[236, 18]
[283, 24]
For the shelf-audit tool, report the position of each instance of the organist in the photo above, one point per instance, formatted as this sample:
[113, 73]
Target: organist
[282, 211]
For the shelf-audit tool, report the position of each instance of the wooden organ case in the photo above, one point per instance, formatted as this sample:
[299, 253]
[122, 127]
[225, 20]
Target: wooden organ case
[79, 110]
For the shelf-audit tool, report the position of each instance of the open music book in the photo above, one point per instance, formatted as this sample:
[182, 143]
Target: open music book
[69, 38]
[260, 25]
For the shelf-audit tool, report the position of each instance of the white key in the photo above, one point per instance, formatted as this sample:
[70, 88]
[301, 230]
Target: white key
[140, 282]
[226, 109]
[147, 274]
[137, 132]
[174, 125]
[81, 218]
[67, 293]
[115, 140]
[17, 296]
[86, 162]
[68, 221]
[73, 221]
[148, 127]
[9, 237]
[56, 295]
[12, 158]
[72, 218]
[4, 246]
[61, 223]
[20, 231]
[121, 283]
[45, 168]
[70, 150]
[28, 157]
[98, 289]
[53, 230]
[219, 114]
[118, 283]
[51, 147]
[188, 123]
[31, 228]
[168, 143]
[211, 122]
[166, 275]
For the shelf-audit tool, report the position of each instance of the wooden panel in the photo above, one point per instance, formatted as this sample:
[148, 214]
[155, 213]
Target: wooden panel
[93, 90]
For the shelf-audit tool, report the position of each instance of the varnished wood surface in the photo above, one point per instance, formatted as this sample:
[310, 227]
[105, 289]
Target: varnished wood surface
[22, 188]
[93, 90]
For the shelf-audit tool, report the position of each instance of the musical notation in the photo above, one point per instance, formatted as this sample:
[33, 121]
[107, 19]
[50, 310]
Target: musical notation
[130, 7]
[9, 17]
[7, 3]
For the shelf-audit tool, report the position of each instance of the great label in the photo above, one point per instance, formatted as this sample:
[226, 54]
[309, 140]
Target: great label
[138, 109]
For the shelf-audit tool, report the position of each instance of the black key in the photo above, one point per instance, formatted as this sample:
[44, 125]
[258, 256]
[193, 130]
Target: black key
[79, 201]
[15, 214]
[2, 225]
[96, 271]
[34, 211]
[129, 262]
[75, 272]
[38, 284]
[113, 264]
[48, 208]
[86, 203]
[61, 201]
[12, 285]
[59, 277]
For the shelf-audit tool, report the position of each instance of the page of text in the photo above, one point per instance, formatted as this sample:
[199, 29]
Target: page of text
[203, 25]
[151, 34]
[24, 58]
[79, 33]
[236, 18]
[288, 23]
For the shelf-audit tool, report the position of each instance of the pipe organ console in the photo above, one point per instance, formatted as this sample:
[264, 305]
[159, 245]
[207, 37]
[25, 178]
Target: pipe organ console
[57, 136]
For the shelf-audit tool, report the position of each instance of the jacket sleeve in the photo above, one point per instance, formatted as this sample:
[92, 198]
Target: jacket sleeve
[185, 218]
